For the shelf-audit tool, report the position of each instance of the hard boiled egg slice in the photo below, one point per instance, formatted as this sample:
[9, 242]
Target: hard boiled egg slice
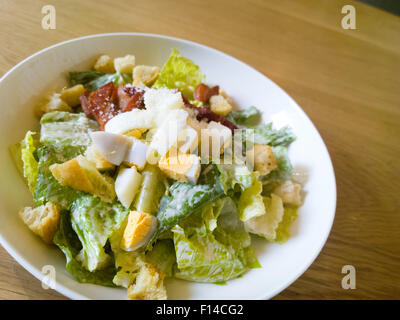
[138, 231]
[181, 167]
[112, 147]
[127, 121]
[137, 154]
[127, 185]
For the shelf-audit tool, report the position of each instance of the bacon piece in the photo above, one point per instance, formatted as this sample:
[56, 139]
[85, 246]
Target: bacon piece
[85, 104]
[101, 104]
[206, 113]
[130, 98]
[203, 92]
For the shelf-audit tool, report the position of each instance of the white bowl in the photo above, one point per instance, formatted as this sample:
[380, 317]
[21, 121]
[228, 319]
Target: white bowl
[25, 84]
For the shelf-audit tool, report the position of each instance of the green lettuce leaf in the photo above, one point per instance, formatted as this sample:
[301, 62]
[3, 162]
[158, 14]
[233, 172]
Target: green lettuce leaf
[266, 225]
[30, 164]
[266, 134]
[93, 80]
[67, 240]
[213, 252]
[82, 77]
[64, 136]
[64, 129]
[179, 73]
[234, 174]
[16, 156]
[152, 189]
[182, 200]
[251, 203]
[248, 117]
[47, 187]
[163, 255]
[94, 221]
[289, 216]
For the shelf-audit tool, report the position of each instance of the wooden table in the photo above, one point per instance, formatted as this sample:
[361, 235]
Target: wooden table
[347, 81]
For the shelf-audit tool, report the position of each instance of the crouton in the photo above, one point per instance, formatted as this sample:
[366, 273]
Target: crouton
[42, 220]
[52, 103]
[104, 64]
[289, 193]
[145, 74]
[219, 105]
[264, 160]
[81, 174]
[95, 157]
[148, 285]
[124, 64]
[72, 95]
[72, 175]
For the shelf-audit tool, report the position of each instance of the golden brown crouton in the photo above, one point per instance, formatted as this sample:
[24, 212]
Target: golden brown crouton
[148, 285]
[264, 160]
[72, 175]
[220, 105]
[124, 64]
[81, 174]
[72, 95]
[104, 64]
[42, 220]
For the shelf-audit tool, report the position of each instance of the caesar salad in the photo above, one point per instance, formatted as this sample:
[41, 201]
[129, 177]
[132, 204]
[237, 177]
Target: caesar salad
[139, 173]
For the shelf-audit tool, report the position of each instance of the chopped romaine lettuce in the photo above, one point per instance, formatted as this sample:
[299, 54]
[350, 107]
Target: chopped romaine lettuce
[266, 134]
[47, 187]
[82, 77]
[179, 73]
[265, 225]
[30, 164]
[61, 129]
[163, 255]
[16, 155]
[234, 174]
[209, 252]
[153, 187]
[67, 240]
[64, 136]
[94, 221]
[289, 216]
[248, 117]
[183, 199]
[93, 80]
[250, 203]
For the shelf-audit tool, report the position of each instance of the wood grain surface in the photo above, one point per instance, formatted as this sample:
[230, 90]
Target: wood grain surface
[347, 81]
